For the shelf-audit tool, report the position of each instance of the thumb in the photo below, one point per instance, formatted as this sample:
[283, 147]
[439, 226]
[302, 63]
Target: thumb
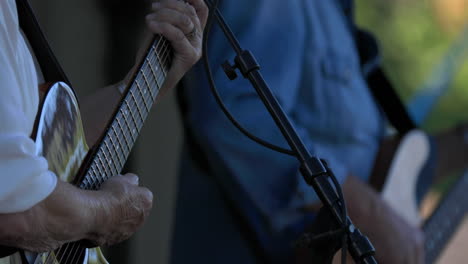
[131, 178]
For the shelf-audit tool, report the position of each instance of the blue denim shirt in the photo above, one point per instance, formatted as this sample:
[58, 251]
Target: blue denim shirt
[308, 58]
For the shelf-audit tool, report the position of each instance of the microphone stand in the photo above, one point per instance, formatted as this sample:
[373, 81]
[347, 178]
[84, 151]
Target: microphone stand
[323, 240]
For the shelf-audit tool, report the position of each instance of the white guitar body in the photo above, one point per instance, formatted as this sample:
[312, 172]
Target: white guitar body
[400, 187]
[399, 191]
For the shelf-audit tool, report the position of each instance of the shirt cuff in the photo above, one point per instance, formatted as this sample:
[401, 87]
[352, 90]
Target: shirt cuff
[30, 193]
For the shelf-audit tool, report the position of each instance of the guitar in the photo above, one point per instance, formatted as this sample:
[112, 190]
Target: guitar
[60, 139]
[399, 189]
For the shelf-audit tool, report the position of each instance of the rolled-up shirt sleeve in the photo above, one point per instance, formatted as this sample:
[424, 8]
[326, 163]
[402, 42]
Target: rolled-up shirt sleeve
[24, 176]
[26, 179]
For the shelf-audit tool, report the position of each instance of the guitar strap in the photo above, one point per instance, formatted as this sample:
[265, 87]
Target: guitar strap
[50, 66]
[385, 95]
[380, 86]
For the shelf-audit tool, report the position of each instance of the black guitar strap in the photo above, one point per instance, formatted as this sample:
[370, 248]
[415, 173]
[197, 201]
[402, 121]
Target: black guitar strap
[379, 85]
[50, 66]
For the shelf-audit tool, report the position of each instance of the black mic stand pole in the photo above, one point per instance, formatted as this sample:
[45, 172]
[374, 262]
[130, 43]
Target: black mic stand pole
[314, 171]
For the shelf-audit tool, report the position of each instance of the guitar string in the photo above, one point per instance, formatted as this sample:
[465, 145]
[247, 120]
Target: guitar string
[133, 104]
[149, 62]
[434, 244]
[124, 130]
[104, 166]
[103, 152]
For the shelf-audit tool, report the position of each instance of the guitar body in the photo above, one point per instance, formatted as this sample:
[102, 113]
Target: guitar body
[60, 139]
[399, 191]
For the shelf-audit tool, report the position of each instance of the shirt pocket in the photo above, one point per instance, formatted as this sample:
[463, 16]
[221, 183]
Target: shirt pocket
[352, 111]
[334, 103]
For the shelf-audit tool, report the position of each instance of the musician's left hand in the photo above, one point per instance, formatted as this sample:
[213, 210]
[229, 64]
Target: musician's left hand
[182, 23]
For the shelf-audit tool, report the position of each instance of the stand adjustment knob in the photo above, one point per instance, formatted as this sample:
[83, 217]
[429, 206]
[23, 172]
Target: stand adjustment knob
[229, 70]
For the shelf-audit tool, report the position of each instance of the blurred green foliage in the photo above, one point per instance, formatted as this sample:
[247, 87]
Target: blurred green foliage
[413, 43]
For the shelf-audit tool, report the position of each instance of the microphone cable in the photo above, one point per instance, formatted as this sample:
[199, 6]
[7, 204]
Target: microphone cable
[213, 9]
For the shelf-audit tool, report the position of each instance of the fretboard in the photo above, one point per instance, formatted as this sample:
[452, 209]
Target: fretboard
[122, 132]
[444, 222]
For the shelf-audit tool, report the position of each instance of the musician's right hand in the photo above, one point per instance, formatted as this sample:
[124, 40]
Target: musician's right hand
[395, 240]
[125, 207]
[68, 214]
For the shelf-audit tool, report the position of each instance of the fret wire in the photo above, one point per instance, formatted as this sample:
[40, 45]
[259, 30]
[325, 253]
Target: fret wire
[152, 74]
[95, 179]
[147, 96]
[121, 129]
[165, 52]
[153, 58]
[102, 169]
[125, 154]
[92, 176]
[105, 162]
[149, 63]
[159, 60]
[134, 105]
[124, 112]
[138, 93]
[117, 150]
[141, 93]
[126, 121]
[148, 71]
[152, 79]
[156, 57]
[118, 131]
[140, 84]
[159, 81]
[109, 167]
[161, 78]
[162, 44]
[159, 44]
[84, 183]
[154, 88]
[165, 60]
[137, 108]
[139, 89]
[110, 160]
[87, 183]
[135, 127]
[114, 156]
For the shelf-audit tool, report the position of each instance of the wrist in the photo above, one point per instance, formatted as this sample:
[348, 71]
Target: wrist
[97, 216]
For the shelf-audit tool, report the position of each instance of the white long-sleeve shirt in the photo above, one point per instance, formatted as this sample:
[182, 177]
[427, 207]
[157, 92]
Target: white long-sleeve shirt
[24, 176]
